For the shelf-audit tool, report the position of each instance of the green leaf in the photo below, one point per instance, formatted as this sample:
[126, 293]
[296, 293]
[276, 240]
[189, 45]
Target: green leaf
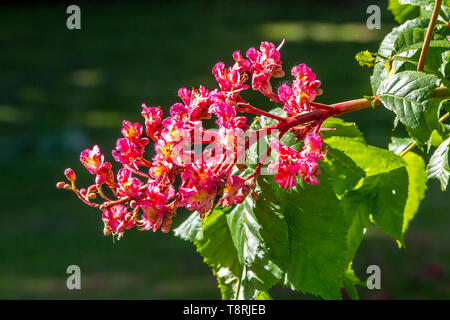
[443, 128]
[213, 241]
[346, 174]
[350, 280]
[306, 238]
[416, 45]
[417, 185]
[296, 238]
[409, 39]
[260, 236]
[387, 50]
[445, 67]
[401, 12]
[219, 253]
[341, 128]
[317, 233]
[426, 4]
[429, 122]
[357, 207]
[435, 140]
[438, 166]
[407, 94]
[190, 229]
[263, 295]
[383, 191]
[387, 45]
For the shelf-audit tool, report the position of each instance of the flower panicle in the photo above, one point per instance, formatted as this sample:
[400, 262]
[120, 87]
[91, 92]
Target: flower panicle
[146, 192]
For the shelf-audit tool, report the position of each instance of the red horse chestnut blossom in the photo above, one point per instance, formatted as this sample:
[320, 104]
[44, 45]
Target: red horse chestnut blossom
[201, 168]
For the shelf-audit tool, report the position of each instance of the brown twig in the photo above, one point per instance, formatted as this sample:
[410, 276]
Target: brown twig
[429, 34]
[423, 56]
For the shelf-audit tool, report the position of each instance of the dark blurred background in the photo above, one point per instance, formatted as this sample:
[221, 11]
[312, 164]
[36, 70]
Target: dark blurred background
[62, 91]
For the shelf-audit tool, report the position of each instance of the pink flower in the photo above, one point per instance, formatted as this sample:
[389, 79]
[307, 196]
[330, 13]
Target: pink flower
[303, 73]
[198, 173]
[162, 170]
[185, 95]
[153, 121]
[309, 170]
[175, 131]
[313, 145]
[127, 151]
[92, 159]
[266, 64]
[128, 185]
[232, 78]
[199, 103]
[197, 199]
[224, 112]
[179, 112]
[291, 163]
[117, 220]
[154, 207]
[304, 90]
[285, 171]
[131, 131]
[241, 64]
[151, 218]
[105, 175]
[232, 191]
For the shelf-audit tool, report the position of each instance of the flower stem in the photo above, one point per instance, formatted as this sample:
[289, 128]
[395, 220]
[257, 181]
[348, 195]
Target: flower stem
[251, 109]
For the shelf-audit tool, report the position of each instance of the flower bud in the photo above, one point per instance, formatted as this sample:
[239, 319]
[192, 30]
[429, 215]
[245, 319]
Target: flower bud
[67, 187]
[92, 196]
[60, 185]
[106, 230]
[70, 175]
[83, 192]
[133, 204]
[166, 225]
[255, 196]
[92, 189]
[145, 141]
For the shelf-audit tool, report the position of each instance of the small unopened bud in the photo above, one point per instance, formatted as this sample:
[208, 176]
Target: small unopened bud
[106, 230]
[145, 141]
[141, 194]
[92, 188]
[92, 196]
[60, 185]
[83, 192]
[254, 196]
[133, 204]
[166, 225]
[70, 175]
[67, 187]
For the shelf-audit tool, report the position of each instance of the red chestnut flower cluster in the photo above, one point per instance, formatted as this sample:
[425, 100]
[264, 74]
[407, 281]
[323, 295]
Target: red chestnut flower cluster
[200, 168]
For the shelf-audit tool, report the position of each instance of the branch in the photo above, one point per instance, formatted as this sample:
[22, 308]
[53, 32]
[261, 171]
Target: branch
[423, 56]
[428, 36]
